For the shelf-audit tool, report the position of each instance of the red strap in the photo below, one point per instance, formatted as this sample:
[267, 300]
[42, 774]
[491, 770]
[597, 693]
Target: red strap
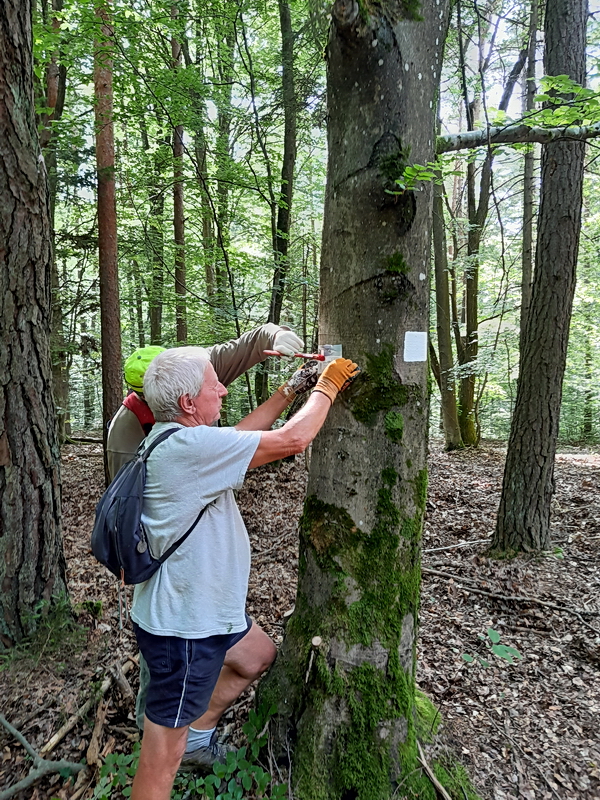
[140, 408]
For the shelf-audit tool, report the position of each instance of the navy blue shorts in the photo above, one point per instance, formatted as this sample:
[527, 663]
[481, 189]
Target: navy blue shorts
[183, 673]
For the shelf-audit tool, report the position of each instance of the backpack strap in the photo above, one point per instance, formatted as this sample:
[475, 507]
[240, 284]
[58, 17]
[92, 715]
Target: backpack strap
[182, 539]
[145, 451]
[161, 438]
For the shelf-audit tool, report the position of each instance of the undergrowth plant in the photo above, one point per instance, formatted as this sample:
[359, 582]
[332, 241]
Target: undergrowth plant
[54, 631]
[241, 776]
[492, 642]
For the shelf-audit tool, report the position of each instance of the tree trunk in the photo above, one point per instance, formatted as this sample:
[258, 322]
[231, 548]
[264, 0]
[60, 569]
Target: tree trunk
[55, 88]
[450, 422]
[528, 175]
[110, 321]
[288, 162]
[178, 212]
[32, 566]
[346, 699]
[524, 514]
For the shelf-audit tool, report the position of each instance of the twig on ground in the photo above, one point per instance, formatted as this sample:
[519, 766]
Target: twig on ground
[81, 712]
[454, 546]
[93, 751]
[431, 775]
[514, 598]
[40, 766]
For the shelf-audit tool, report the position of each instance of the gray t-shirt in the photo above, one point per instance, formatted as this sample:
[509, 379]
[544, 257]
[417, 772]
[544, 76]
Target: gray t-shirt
[201, 588]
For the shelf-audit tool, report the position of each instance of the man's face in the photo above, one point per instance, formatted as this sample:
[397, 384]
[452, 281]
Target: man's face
[208, 403]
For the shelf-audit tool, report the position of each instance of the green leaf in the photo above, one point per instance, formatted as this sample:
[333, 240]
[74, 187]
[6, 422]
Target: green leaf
[469, 659]
[494, 635]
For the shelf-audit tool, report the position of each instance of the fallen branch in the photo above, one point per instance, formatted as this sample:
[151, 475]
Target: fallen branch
[431, 775]
[454, 546]
[577, 612]
[40, 766]
[513, 134]
[81, 712]
[93, 751]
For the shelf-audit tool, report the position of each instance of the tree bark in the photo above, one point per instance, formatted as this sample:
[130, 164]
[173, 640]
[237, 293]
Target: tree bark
[288, 162]
[178, 212]
[450, 422]
[524, 514]
[528, 176]
[345, 700]
[110, 318]
[32, 566]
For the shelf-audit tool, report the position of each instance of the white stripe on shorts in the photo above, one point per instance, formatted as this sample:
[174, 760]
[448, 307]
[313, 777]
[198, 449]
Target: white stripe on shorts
[183, 688]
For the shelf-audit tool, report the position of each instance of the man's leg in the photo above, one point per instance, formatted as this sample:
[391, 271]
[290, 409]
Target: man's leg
[160, 755]
[244, 662]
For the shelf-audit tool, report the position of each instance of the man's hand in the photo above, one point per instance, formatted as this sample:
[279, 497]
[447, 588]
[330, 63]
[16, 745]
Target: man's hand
[336, 377]
[287, 343]
[301, 381]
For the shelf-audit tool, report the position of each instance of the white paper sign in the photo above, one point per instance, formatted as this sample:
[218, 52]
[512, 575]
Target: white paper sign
[415, 346]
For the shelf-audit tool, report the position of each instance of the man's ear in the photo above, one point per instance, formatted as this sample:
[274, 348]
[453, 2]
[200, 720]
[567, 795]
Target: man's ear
[185, 404]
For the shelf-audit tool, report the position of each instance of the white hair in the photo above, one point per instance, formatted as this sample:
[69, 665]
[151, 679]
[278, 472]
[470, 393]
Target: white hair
[172, 374]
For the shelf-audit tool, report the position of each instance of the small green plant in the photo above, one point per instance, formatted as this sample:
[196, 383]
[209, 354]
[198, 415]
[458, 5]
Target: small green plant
[492, 642]
[239, 777]
[117, 773]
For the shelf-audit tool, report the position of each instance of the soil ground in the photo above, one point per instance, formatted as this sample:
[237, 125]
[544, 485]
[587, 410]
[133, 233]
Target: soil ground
[523, 730]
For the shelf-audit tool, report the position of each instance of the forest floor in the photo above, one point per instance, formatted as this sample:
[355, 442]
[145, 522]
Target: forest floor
[524, 730]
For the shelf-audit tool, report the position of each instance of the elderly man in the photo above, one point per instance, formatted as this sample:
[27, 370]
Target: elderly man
[201, 647]
[134, 420]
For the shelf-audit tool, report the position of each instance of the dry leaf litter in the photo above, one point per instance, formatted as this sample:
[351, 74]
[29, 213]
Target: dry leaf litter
[527, 730]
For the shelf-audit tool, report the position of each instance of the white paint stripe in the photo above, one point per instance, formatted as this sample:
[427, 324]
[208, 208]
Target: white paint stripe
[182, 698]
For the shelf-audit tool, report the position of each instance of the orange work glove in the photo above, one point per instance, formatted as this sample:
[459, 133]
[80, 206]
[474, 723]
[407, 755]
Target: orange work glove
[336, 376]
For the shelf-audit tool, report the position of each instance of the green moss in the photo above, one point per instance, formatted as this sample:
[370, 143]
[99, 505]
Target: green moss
[378, 388]
[427, 717]
[392, 165]
[371, 731]
[410, 10]
[396, 263]
[394, 426]
[453, 777]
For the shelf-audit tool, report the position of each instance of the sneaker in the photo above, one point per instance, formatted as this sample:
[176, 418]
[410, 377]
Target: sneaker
[204, 757]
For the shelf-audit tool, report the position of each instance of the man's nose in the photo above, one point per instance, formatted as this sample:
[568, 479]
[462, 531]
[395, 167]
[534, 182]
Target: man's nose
[222, 391]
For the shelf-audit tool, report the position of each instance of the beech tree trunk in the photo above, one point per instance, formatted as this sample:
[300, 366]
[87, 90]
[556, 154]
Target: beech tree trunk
[110, 318]
[344, 681]
[32, 566]
[524, 514]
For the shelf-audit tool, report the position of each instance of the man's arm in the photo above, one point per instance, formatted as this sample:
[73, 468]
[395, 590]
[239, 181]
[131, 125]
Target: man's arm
[235, 357]
[295, 436]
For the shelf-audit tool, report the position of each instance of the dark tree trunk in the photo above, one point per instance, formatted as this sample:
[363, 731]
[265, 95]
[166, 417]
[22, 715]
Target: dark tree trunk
[284, 210]
[344, 681]
[32, 566]
[55, 88]
[178, 211]
[450, 421]
[528, 175]
[524, 514]
[110, 324]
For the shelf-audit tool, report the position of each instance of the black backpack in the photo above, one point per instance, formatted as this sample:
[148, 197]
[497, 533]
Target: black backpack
[118, 538]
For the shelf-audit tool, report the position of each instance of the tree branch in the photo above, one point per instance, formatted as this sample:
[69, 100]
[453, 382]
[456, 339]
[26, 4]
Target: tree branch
[514, 134]
[40, 766]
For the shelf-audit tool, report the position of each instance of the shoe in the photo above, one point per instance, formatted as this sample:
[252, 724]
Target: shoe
[203, 758]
